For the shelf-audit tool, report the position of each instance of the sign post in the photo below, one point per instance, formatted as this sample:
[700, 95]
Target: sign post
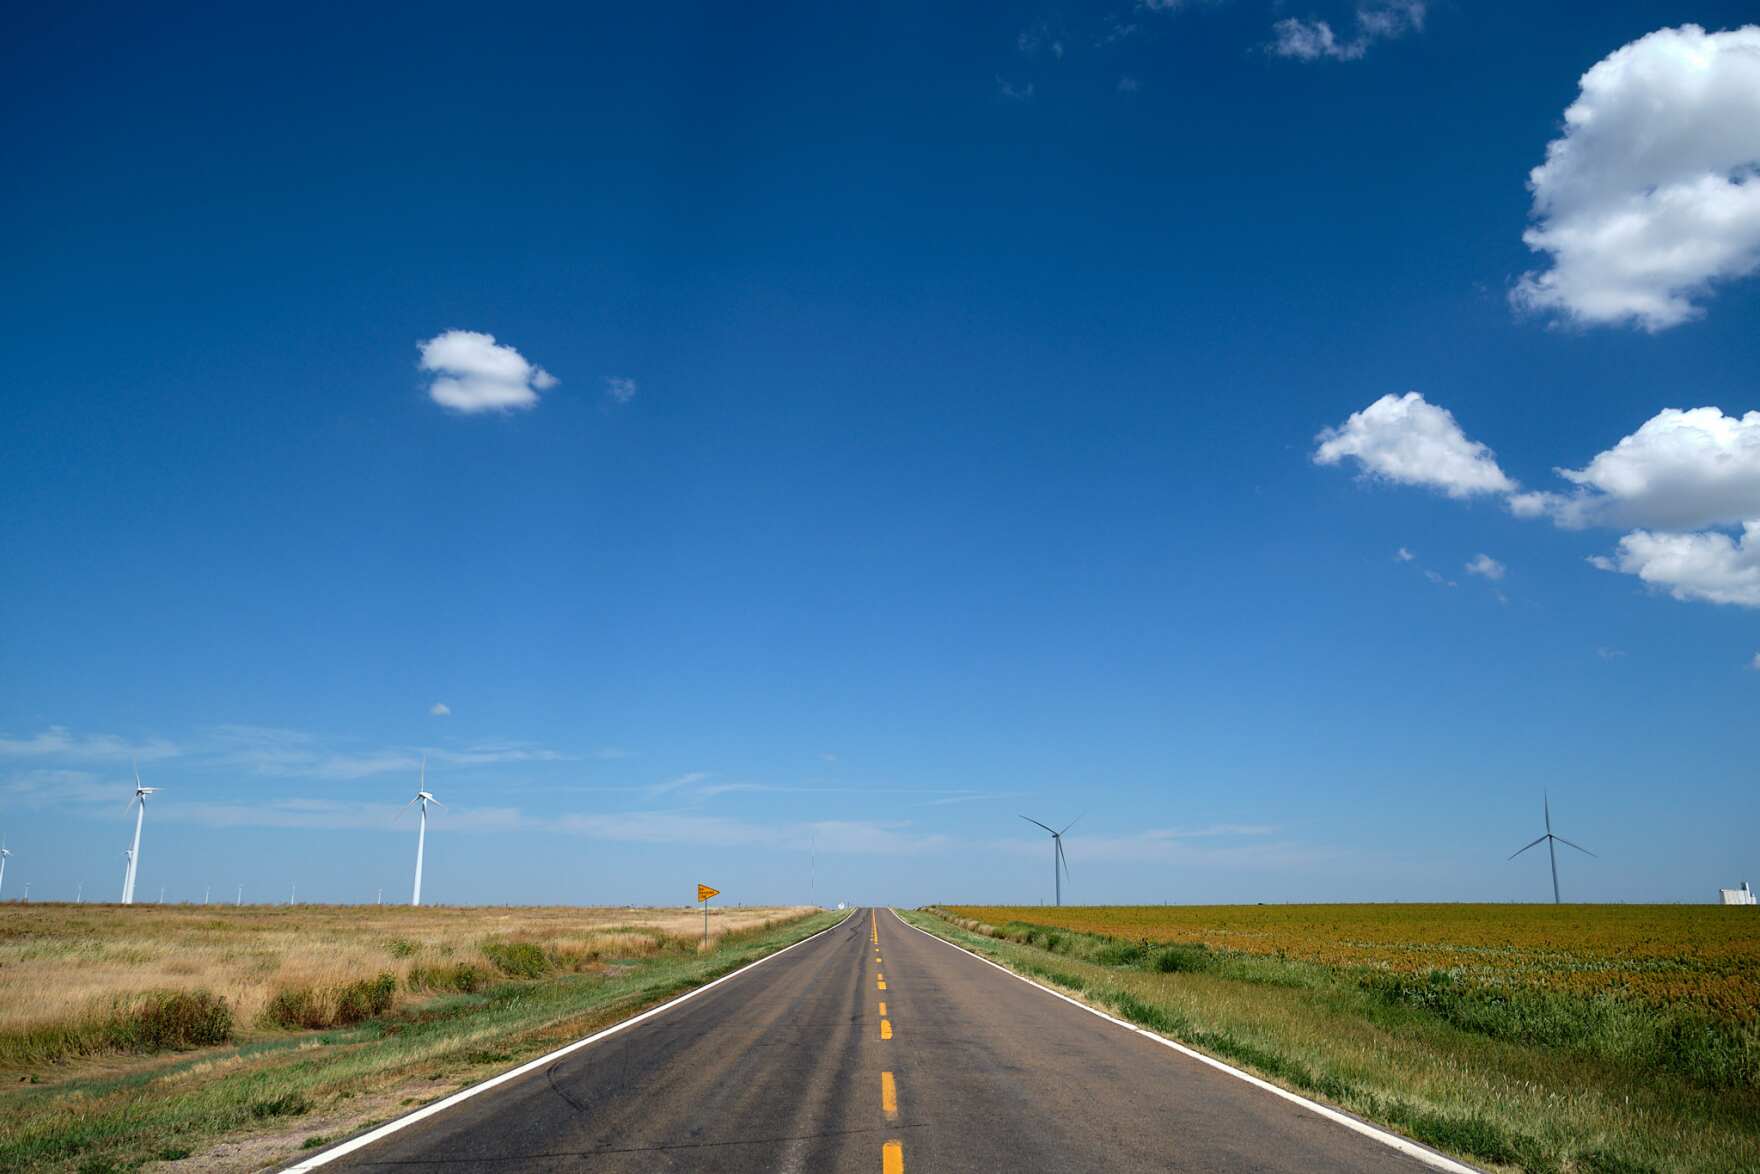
[704, 892]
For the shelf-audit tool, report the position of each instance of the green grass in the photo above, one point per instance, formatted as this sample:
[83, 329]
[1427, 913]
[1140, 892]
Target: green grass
[1525, 1081]
[341, 1078]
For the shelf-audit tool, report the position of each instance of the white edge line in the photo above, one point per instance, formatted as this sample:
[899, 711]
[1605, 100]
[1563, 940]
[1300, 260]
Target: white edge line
[1393, 1140]
[440, 1106]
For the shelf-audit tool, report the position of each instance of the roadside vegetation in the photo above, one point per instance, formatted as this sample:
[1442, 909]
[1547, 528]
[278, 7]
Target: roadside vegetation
[231, 1038]
[1586, 1038]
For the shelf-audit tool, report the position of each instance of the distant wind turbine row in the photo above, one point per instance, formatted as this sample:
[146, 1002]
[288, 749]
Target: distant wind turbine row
[132, 856]
[424, 797]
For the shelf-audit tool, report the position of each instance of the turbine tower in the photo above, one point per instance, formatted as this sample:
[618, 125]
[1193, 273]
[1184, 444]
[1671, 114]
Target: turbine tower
[1551, 841]
[134, 855]
[1059, 865]
[423, 798]
[4, 853]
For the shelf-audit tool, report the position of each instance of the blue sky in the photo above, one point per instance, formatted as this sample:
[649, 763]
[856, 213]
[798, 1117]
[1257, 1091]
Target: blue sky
[933, 427]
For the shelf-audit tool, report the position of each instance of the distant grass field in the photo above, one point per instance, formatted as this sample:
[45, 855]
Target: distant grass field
[227, 1038]
[1592, 1038]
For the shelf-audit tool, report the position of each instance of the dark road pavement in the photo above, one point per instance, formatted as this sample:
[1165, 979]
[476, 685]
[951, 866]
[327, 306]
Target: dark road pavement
[849, 1053]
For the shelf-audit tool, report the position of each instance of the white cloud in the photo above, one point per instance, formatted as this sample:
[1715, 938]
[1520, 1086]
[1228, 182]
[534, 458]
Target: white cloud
[1402, 555]
[1315, 40]
[477, 374]
[1437, 579]
[1681, 470]
[1487, 566]
[60, 742]
[1755, 663]
[440, 709]
[1407, 440]
[1710, 566]
[1652, 194]
[281, 753]
[1128, 84]
[1013, 92]
[620, 388]
[686, 827]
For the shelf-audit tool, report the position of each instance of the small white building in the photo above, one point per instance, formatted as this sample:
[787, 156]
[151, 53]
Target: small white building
[1741, 896]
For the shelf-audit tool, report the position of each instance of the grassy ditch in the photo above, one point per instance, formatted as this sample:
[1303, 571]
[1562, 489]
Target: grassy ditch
[1513, 1080]
[318, 1059]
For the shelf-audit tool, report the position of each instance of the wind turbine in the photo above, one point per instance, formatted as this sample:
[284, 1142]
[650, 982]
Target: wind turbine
[127, 871]
[134, 855]
[1551, 847]
[4, 853]
[423, 798]
[1059, 865]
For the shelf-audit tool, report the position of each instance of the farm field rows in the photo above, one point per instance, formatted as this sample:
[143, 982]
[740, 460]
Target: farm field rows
[1573, 1038]
[1665, 955]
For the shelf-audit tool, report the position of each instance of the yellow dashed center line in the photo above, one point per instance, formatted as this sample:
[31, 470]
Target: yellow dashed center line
[886, 1029]
[889, 1096]
[882, 1007]
[892, 1158]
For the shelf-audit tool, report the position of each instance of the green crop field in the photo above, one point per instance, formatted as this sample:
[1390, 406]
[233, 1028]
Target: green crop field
[1547, 1038]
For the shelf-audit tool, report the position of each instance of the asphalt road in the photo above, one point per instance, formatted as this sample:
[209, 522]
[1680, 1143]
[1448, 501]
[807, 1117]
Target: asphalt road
[851, 1053]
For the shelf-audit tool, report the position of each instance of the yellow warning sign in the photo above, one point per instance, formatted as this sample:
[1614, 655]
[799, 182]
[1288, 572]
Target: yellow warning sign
[704, 892]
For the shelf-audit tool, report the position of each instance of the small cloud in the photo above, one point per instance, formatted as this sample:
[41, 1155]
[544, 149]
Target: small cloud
[1014, 93]
[1439, 580]
[474, 373]
[440, 709]
[1116, 30]
[1402, 555]
[1755, 663]
[1609, 653]
[1410, 441]
[1128, 84]
[1057, 50]
[1487, 566]
[1315, 40]
[620, 388]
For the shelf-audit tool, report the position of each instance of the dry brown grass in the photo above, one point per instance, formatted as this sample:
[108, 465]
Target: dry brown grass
[62, 966]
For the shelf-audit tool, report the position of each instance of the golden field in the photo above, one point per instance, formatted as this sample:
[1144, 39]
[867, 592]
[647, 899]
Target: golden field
[66, 965]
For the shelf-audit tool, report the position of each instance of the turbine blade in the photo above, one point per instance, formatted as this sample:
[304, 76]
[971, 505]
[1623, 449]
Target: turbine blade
[402, 811]
[1072, 823]
[423, 784]
[1062, 859]
[1578, 847]
[1546, 806]
[1524, 848]
[135, 762]
[1047, 827]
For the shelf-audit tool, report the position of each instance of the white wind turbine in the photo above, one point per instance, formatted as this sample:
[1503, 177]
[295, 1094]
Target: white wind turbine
[134, 855]
[1057, 859]
[4, 853]
[423, 798]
